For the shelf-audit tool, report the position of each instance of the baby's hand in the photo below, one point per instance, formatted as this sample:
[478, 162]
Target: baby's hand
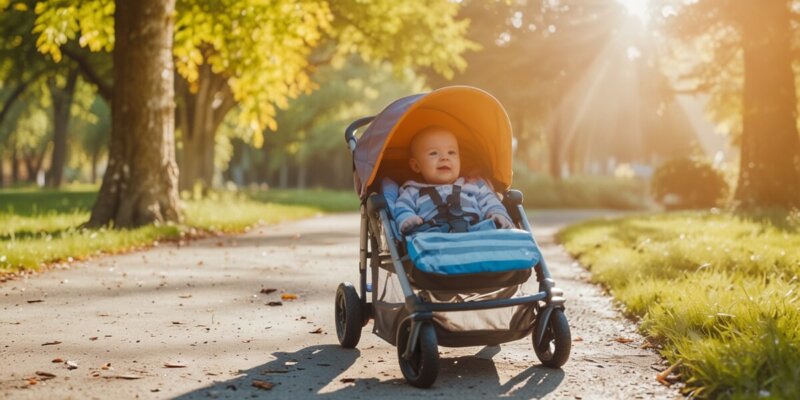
[501, 221]
[410, 223]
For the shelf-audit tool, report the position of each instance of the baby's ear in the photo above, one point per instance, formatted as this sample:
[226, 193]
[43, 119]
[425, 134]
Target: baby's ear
[413, 164]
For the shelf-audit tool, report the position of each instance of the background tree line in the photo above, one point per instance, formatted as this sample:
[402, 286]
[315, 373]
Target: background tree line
[261, 90]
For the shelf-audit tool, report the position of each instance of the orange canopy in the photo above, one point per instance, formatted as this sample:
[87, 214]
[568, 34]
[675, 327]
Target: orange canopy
[477, 119]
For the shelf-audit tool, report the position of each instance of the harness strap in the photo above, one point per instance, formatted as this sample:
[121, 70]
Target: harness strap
[449, 213]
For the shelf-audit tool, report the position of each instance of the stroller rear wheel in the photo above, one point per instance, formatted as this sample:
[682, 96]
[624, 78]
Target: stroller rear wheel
[422, 368]
[349, 315]
[554, 349]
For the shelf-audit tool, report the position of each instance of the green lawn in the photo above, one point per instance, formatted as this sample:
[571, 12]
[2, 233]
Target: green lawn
[718, 292]
[38, 227]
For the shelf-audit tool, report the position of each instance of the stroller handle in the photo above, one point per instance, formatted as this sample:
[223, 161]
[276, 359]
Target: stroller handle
[350, 132]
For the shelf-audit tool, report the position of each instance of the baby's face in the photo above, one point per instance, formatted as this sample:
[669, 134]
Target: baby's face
[435, 156]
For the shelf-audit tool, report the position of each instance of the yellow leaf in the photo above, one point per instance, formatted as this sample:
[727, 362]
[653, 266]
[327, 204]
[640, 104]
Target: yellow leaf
[258, 139]
[288, 296]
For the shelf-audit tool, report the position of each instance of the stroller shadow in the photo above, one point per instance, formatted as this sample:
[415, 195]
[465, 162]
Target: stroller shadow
[306, 372]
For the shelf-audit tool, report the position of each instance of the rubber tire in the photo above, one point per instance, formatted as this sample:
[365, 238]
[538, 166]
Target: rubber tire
[423, 369]
[556, 333]
[349, 315]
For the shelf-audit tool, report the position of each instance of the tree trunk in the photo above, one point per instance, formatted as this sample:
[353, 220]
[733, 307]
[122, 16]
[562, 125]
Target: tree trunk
[62, 102]
[30, 167]
[283, 179]
[200, 113]
[2, 171]
[14, 165]
[301, 175]
[140, 185]
[769, 172]
[95, 158]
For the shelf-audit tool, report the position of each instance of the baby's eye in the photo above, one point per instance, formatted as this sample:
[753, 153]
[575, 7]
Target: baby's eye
[433, 153]
[452, 152]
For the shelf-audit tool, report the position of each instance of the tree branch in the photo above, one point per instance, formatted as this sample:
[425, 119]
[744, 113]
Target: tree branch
[104, 88]
[16, 93]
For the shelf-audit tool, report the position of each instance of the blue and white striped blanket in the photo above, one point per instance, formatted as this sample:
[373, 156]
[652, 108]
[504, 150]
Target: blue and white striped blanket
[496, 250]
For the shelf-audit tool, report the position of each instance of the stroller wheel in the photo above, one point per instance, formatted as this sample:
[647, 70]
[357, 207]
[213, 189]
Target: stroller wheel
[554, 349]
[348, 315]
[422, 368]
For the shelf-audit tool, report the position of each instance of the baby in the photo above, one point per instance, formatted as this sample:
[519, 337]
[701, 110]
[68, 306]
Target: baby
[435, 156]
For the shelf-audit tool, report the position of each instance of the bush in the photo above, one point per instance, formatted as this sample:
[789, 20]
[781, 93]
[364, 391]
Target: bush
[688, 182]
[581, 191]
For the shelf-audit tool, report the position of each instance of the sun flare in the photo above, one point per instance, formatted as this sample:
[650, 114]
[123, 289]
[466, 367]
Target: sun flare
[637, 8]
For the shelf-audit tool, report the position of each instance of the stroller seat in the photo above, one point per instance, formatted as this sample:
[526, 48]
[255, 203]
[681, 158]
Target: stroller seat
[463, 261]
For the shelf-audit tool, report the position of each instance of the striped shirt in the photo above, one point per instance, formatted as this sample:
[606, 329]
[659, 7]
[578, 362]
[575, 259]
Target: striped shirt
[476, 198]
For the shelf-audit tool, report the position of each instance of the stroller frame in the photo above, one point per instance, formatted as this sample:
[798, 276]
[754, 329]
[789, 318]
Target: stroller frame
[548, 301]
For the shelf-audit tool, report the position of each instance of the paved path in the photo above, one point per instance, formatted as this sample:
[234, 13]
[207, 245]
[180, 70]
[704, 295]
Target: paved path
[191, 322]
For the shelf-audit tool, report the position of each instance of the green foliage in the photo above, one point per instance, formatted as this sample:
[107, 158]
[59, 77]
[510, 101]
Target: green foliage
[408, 33]
[263, 48]
[688, 182]
[309, 129]
[59, 21]
[718, 290]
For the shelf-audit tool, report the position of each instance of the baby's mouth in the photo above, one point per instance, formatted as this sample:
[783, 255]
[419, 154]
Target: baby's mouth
[445, 168]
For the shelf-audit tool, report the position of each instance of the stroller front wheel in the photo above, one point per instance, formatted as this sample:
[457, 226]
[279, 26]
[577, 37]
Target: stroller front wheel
[556, 343]
[349, 315]
[422, 368]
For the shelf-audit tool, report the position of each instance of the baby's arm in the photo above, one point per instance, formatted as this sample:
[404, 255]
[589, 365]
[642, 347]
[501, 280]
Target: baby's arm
[406, 217]
[492, 208]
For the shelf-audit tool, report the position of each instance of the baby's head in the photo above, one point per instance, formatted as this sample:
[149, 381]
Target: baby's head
[435, 155]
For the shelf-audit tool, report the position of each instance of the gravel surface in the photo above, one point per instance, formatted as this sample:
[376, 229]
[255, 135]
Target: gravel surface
[195, 321]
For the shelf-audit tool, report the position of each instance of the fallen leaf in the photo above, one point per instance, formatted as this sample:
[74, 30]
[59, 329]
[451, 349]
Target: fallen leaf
[177, 323]
[35, 301]
[274, 303]
[318, 330]
[288, 296]
[51, 343]
[274, 371]
[32, 381]
[57, 360]
[126, 377]
[106, 366]
[93, 338]
[185, 296]
[623, 340]
[268, 290]
[71, 364]
[578, 339]
[262, 384]
[173, 365]
[347, 380]
[47, 375]
[664, 377]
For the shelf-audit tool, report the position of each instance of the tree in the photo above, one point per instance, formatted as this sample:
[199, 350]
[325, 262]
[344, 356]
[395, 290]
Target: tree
[141, 182]
[759, 37]
[25, 67]
[554, 65]
[257, 55]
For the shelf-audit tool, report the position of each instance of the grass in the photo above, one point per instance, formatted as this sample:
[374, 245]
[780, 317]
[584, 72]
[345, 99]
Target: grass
[718, 291]
[43, 227]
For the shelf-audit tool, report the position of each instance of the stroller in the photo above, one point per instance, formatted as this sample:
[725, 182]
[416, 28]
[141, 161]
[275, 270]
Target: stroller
[418, 307]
